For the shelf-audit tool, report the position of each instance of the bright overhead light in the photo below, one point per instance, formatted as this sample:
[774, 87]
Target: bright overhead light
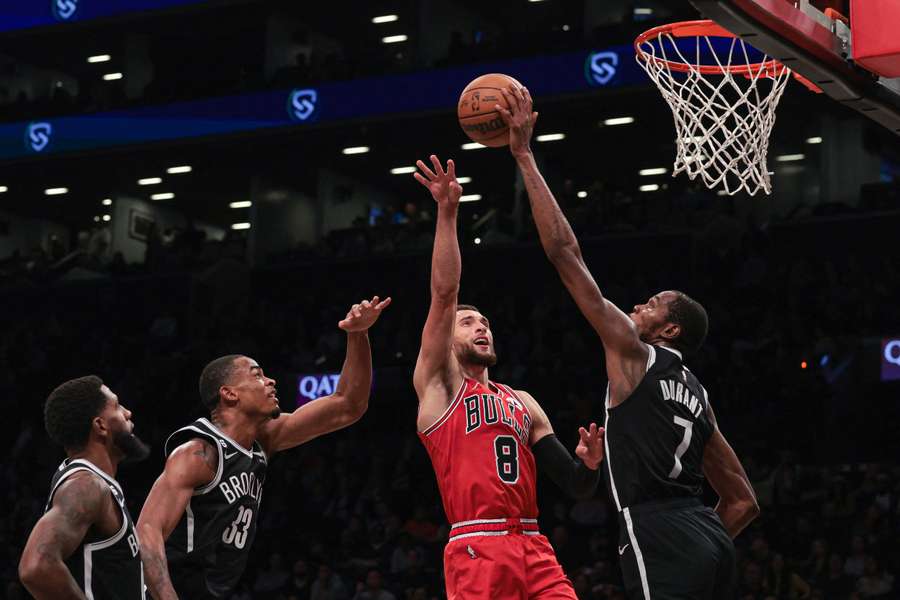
[722, 193]
[403, 170]
[3, 188]
[655, 171]
[355, 150]
[470, 197]
[112, 76]
[473, 146]
[56, 191]
[162, 196]
[814, 140]
[393, 39]
[462, 180]
[477, 241]
[150, 181]
[790, 157]
[240, 226]
[106, 218]
[582, 194]
[643, 12]
[107, 202]
[99, 58]
[619, 121]
[177, 170]
[535, 0]
[96, 218]
[652, 187]
[241, 204]
[551, 137]
[384, 19]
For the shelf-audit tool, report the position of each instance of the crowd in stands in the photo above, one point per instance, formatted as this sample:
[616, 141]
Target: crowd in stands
[356, 515]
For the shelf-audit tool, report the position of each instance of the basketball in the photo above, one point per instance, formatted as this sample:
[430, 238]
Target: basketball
[476, 113]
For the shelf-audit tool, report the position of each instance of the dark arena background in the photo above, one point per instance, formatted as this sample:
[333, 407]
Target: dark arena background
[182, 179]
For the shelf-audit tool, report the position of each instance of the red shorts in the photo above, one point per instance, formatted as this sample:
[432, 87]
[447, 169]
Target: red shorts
[504, 567]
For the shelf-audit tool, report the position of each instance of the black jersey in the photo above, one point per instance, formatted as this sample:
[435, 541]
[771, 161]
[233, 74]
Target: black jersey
[209, 547]
[109, 568]
[655, 437]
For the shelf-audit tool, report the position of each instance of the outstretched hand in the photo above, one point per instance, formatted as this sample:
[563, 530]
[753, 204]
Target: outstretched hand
[519, 117]
[590, 446]
[444, 187]
[363, 315]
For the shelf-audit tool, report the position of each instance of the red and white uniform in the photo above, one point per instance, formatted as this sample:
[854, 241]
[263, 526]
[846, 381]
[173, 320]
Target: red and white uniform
[487, 477]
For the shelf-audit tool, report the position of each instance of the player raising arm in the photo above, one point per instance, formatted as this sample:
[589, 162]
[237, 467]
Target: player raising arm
[661, 433]
[199, 521]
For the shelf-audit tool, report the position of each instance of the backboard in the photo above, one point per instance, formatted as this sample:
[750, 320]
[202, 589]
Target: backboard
[814, 44]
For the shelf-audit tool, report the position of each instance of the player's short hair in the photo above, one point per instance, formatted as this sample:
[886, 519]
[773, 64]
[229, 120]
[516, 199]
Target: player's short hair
[70, 408]
[214, 376]
[460, 307]
[690, 315]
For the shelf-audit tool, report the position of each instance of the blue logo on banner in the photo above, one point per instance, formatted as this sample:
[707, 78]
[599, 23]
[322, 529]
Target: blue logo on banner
[64, 10]
[37, 136]
[600, 67]
[302, 104]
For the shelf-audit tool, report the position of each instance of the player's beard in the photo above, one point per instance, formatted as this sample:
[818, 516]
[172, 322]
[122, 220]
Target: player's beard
[276, 412]
[133, 449]
[470, 355]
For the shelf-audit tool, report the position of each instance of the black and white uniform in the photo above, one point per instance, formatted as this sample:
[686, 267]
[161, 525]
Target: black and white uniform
[208, 549]
[104, 568]
[670, 545]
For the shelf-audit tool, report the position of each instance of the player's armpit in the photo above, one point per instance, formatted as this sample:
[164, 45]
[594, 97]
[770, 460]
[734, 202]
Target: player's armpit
[737, 505]
[77, 504]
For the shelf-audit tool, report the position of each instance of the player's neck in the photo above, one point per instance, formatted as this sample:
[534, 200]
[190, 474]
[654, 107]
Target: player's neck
[477, 372]
[238, 426]
[97, 455]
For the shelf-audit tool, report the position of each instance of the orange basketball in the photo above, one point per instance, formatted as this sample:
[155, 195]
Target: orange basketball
[476, 113]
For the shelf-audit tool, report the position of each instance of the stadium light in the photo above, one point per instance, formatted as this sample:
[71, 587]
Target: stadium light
[241, 204]
[403, 170]
[107, 202]
[178, 170]
[162, 196]
[106, 218]
[355, 150]
[470, 198]
[99, 58]
[643, 12]
[790, 157]
[651, 187]
[3, 189]
[240, 226]
[384, 19]
[654, 171]
[473, 146]
[619, 121]
[814, 140]
[477, 241]
[551, 137]
[112, 76]
[393, 39]
[582, 194]
[462, 180]
[150, 181]
[56, 191]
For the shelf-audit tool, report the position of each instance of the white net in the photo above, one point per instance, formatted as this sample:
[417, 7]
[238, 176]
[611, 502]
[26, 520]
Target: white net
[723, 119]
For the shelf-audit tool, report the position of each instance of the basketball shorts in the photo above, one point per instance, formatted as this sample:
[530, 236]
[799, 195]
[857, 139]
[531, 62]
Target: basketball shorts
[516, 566]
[675, 550]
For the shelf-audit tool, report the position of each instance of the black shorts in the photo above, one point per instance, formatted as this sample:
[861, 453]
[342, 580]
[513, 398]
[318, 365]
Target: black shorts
[675, 550]
[190, 583]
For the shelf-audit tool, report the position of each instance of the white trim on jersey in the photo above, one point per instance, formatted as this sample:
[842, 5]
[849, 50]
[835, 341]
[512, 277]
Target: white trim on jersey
[475, 534]
[606, 457]
[189, 518]
[477, 522]
[90, 548]
[208, 437]
[639, 557]
[457, 397]
[651, 358]
[224, 436]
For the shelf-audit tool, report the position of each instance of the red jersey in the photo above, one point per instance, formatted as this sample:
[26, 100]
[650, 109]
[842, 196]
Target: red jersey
[481, 457]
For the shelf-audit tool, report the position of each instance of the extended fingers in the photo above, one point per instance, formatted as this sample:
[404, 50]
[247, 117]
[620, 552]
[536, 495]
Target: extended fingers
[451, 169]
[437, 165]
[383, 304]
[424, 168]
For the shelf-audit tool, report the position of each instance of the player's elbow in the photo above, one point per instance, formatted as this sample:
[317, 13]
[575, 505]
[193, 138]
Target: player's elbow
[750, 509]
[562, 252]
[353, 407]
[32, 570]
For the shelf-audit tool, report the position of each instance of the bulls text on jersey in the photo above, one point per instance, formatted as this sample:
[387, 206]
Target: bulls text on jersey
[488, 409]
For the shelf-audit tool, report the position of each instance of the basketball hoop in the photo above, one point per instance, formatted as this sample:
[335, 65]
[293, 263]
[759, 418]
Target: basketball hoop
[723, 94]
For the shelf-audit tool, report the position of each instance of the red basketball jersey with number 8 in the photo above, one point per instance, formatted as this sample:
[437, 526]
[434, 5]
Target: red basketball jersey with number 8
[481, 457]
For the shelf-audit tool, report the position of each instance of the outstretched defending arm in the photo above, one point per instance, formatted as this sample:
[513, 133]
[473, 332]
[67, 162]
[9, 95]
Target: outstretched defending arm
[446, 267]
[737, 505]
[616, 330]
[190, 466]
[77, 504]
[349, 401]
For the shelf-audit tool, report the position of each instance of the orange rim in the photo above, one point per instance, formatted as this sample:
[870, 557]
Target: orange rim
[706, 28]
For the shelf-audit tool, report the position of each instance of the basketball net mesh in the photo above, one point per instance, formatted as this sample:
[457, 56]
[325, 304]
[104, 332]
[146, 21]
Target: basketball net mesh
[722, 121]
